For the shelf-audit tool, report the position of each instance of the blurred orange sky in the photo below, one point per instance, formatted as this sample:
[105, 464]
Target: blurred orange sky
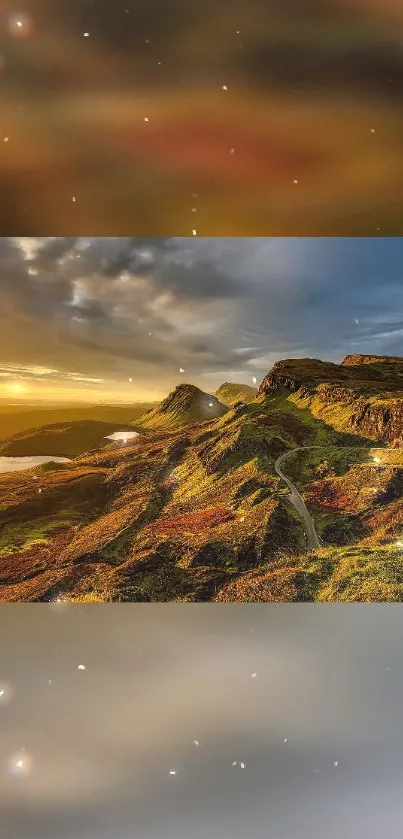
[258, 118]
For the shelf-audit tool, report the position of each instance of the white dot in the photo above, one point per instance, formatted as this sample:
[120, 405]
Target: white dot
[19, 25]
[285, 740]
[6, 139]
[224, 87]
[253, 675]
[196, 742]
[57, 604]
[86, 34]
[6, 693]
[336, 763]
[146, 119]
[130, 380]
[73, 198]
[20, 763]
[81, 667]
[254, 380]
[181, 370]
[172, 771]
[194, 232]
[295, 181]
[242, 765]
[372, 130]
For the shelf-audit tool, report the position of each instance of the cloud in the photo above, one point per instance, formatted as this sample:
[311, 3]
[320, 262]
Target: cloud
[104, 306]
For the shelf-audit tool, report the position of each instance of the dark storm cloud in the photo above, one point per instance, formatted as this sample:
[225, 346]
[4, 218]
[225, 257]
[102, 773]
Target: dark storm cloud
[51, 250]
[217, 307]
[88, 310]
[103, 741]
[173, 263]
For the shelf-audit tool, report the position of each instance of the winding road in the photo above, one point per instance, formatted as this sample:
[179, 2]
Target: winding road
[313, 540]
[297, 500]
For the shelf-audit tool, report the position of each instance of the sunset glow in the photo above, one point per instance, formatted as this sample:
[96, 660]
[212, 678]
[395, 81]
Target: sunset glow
[123, 320]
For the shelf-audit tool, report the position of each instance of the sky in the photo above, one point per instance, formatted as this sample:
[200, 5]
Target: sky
[245, 117]
[101, 704]
[128, 319]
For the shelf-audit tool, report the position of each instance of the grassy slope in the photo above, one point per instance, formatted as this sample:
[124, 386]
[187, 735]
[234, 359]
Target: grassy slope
[351, 496]
[229, 393]
[180, 514]
[196, 512]
[352, 574]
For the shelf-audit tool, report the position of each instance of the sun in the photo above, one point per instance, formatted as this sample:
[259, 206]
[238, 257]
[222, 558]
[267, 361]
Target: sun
[17, 388]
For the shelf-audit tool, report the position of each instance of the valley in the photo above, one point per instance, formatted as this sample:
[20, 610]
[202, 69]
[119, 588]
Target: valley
[293, 492]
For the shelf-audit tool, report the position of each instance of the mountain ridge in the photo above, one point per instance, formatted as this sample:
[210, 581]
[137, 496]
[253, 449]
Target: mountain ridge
[358, 358]
[365, 398]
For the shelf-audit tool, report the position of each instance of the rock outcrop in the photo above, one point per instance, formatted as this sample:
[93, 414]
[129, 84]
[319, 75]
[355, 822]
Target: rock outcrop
[354, 360]
[364, 396]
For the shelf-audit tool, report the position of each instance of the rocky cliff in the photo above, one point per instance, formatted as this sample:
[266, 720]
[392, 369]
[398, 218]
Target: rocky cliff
[354, 360]
[365, 397]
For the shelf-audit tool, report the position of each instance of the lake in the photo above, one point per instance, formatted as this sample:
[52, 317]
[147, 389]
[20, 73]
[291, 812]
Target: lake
[122, 436]
[17, 464]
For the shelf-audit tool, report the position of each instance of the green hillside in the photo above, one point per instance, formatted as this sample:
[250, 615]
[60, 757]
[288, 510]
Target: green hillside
[230, 393]
[194, 509]
[186, 404]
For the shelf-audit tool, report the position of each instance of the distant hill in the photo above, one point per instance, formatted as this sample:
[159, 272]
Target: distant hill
[229, 393]
[186, 404]
[62, 439]
[17, 418]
